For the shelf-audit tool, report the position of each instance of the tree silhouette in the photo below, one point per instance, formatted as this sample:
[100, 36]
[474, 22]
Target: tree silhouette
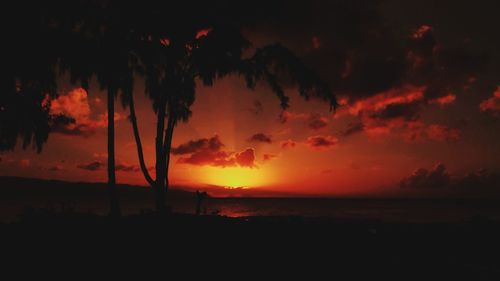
[209, 54]
[29, 81]
[99, 41]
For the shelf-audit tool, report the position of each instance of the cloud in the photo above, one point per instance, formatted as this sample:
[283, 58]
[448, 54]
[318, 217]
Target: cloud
[353, 128]
[321, 142]
[423, 178]
[442, 133]
[257, 108]
[260, 137]
[92, 166]
[417, 131]
[212, 144]
[439, 177]
[246, 158]
[407, 94]
[492, 104]
[286, 116]
[268, 157]
[76, 105]
[397, 113]
[208, 152]
[313, 120]
[480, 179]
[126, 168]
[444, 100]
[317, 122]
[288, 144]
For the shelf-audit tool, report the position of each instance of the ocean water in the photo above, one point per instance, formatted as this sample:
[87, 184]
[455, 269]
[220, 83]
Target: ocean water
[388, 210]
[391, 210]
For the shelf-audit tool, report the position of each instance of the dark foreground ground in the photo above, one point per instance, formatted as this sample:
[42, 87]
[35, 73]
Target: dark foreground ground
[332, 249]
[67, 234]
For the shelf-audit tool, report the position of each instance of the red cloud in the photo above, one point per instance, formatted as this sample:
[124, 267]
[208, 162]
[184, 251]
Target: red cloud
[379, 102]
[286, 116]
[246, 158]
[418, 131]
[288, 144]
[127, 168]
[321, 142]
[207, 152]
[75, 104]
[492, 104]
[314, 121]
[268, 157]
[260, 137]
[92, 166]
[203, 33]
[442, 133]
[397, 113]
[421, 32]
[213, 144]
[450, 98]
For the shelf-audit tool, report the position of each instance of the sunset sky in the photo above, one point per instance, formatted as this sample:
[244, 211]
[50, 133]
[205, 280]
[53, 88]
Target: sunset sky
[419, 90]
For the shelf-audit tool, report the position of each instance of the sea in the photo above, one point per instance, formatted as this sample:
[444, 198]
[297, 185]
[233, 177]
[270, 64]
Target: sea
[387, 210]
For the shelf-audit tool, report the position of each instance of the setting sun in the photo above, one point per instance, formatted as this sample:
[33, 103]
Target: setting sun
[233, 177]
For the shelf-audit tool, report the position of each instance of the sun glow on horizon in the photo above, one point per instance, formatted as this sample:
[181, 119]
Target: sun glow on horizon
[235, 177]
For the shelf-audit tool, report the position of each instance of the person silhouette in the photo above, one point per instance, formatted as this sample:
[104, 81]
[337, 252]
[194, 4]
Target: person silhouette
[200, 197]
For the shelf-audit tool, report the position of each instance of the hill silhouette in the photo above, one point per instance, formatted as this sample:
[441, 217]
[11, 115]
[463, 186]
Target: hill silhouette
[17, 193]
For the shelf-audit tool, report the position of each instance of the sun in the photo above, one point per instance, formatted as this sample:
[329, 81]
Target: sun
[234, 177]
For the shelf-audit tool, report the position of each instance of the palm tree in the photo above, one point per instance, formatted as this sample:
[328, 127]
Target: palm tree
[98, 43]
[217, 53]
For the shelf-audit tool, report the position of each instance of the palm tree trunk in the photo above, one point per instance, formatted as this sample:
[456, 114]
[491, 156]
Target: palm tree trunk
[160, 160]
[168, 144]
[142, 163]
[113, 198]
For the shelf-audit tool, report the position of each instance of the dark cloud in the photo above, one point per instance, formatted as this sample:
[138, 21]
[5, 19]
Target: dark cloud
[257, 108]
[406, 111]
[480, 179]
[126, 168]
[423, 178]
[317, 122]
[208, 152]
[212, 144]
[92, 166]
[321, 142]
[438, 177]
[286, 116]
[353, 128]
[246, 158]
[288, 144]
[260, 137]
[363, 50]
[268, 157]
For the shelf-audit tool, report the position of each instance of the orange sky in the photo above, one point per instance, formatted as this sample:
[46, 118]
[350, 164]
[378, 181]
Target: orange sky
[310, 153]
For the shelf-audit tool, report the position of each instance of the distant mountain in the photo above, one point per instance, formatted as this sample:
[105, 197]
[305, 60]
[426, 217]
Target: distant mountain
[35, 187]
